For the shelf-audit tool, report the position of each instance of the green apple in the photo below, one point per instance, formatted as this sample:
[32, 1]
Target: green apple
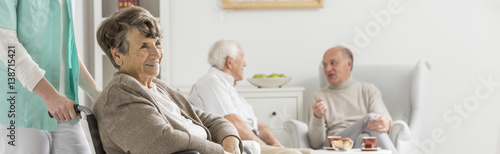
[274, 75]
[260, 76]
[282, 75]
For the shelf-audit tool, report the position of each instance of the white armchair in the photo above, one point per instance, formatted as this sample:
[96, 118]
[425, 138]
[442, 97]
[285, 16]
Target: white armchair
[403, 90]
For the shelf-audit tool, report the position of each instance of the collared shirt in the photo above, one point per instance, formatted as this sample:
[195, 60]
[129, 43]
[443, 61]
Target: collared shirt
[215, 93]
[173, 111]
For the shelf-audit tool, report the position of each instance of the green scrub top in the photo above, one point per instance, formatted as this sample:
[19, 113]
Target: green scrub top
[38, 26]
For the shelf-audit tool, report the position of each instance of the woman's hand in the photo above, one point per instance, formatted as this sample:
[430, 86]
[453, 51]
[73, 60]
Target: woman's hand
[231, 145]
[59, 106]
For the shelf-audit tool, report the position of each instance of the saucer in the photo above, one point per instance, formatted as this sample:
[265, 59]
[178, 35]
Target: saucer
[370, 149]
[329, 148]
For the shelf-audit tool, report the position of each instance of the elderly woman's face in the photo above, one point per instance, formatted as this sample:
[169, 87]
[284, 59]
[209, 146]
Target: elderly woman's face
[143, 58]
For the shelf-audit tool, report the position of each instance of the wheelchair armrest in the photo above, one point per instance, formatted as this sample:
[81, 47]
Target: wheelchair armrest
[187, 152]
[399, 130]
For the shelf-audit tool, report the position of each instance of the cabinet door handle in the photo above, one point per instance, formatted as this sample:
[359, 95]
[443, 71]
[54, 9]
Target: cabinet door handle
[274, 113]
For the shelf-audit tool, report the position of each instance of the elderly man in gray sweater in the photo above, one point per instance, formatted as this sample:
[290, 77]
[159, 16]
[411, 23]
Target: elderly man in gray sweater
[347, 107]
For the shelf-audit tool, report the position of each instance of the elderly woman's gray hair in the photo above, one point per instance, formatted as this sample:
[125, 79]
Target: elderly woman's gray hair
[113, 32]
[221, 50]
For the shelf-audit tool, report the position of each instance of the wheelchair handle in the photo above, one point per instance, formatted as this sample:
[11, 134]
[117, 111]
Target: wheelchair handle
[78, 109]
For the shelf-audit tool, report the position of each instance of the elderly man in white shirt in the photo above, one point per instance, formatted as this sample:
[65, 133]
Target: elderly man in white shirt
[215, 93]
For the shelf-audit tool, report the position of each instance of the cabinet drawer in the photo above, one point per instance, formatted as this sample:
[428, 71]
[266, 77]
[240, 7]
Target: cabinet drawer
[274, 111]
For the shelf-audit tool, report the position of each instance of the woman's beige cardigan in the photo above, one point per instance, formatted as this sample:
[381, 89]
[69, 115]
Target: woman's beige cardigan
[130, 121]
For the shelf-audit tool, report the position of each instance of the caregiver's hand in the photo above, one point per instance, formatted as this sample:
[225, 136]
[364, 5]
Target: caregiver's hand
[60, 107]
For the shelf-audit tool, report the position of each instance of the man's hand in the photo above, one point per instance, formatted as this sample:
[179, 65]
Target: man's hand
[320, 108]
[231, 145]
[278, 145]
[380, 123]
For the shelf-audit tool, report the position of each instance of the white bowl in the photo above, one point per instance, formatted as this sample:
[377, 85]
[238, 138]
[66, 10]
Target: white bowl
[344, 148]
[269, 82]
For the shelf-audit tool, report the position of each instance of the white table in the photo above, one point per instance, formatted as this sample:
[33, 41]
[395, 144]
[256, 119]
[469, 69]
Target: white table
[352, 151]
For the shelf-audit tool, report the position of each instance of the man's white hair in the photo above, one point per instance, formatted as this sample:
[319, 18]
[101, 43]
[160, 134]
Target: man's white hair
[220, 50]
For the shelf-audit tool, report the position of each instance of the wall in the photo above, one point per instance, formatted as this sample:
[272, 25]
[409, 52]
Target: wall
[459, 39]
[83, 36]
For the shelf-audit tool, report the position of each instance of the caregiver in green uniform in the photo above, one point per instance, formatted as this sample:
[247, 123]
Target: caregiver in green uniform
[40, 73]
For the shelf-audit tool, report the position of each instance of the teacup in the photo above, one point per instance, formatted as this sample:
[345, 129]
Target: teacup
[333, 138]
[369, 142]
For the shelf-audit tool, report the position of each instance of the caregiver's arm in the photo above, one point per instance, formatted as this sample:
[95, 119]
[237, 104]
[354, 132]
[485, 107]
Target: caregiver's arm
[32, 77]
